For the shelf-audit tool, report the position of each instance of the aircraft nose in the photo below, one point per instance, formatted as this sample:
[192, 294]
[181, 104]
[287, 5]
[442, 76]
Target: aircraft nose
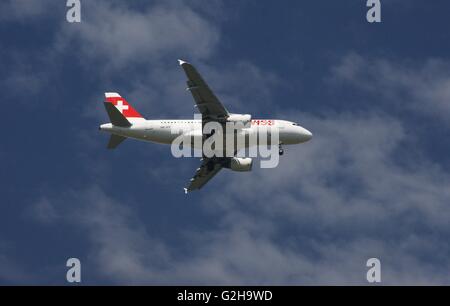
[307, 134]
[304, 135]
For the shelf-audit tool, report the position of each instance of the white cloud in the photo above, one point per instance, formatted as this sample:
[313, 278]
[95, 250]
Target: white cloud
[423, 88]
[118, 35]
[119, 43]
[24, 10]
[331, 204]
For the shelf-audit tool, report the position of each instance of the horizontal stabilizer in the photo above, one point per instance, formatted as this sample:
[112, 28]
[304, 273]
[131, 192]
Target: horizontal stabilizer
[116, 117]
[115, 141]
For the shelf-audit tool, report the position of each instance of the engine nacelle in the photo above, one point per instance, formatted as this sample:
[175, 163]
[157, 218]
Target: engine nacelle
[241, 164]
[244, 118]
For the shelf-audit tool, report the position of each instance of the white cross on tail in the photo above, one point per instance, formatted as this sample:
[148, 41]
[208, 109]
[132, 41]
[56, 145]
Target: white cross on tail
[121, 107]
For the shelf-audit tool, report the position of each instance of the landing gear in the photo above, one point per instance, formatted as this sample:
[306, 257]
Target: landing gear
[280, 150]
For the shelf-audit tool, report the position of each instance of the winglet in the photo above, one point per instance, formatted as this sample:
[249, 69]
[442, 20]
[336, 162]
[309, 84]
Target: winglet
[181, 62]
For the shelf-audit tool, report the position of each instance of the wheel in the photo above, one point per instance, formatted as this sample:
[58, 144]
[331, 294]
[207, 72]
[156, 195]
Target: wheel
[281, 152]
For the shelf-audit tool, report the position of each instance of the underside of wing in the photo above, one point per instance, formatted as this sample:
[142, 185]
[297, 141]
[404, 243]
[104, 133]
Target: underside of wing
[207, 103]
[208, 169]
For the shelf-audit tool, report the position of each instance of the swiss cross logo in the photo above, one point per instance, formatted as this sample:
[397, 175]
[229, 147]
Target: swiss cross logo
[121, 107]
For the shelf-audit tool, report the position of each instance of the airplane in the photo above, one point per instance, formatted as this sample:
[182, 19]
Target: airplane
[126, 122]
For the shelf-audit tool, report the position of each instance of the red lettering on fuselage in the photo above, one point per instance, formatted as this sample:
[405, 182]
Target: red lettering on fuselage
[263, 122]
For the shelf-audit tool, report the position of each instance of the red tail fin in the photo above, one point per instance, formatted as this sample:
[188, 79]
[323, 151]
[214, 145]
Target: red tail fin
[122, 105]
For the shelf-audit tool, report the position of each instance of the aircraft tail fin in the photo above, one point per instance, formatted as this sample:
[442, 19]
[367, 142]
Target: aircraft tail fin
[122, 106]
[116, 117]
[115, 141]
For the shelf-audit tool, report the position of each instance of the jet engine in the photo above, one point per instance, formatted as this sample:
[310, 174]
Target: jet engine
[240, 164]
[244, 118]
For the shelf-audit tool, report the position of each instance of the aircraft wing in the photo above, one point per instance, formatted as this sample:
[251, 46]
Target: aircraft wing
[207, 103]
[208, 169]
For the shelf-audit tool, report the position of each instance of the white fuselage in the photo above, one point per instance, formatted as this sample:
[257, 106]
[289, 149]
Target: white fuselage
[166, 130]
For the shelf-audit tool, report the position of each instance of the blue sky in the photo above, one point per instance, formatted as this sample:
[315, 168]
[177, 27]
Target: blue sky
[373, 182]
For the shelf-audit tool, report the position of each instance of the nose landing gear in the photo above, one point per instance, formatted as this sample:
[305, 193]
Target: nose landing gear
[280, 150]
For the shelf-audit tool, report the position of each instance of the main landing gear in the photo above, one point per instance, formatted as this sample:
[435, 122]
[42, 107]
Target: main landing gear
[280, 150]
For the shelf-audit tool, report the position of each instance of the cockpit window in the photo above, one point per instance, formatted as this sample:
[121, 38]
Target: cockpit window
[294, 123]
